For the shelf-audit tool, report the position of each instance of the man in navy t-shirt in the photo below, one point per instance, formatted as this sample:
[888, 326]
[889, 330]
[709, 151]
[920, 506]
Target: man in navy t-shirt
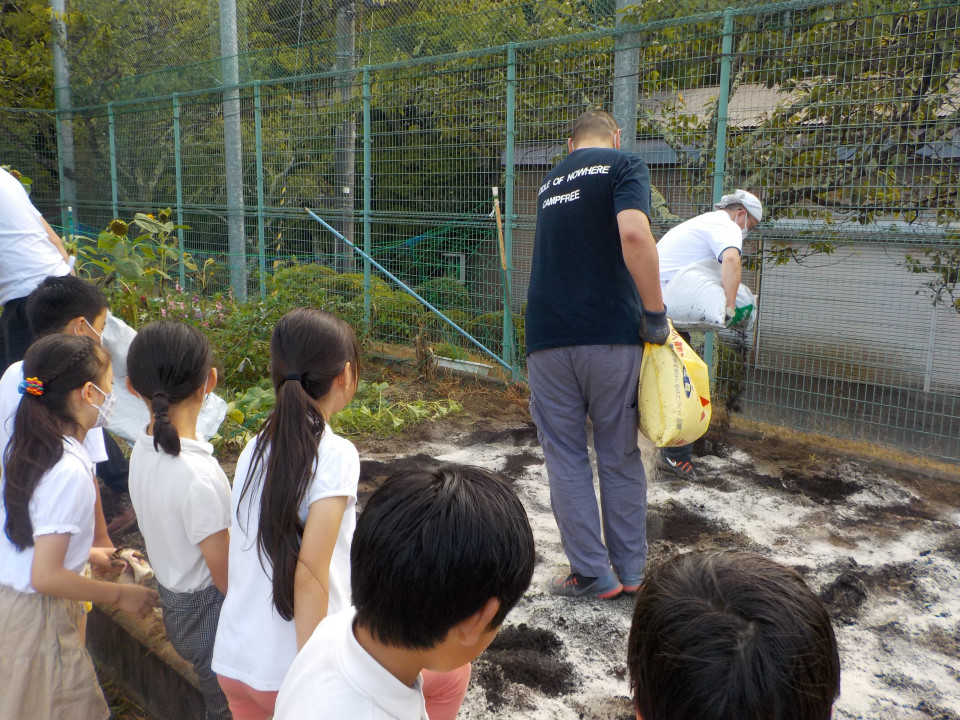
[594, 298]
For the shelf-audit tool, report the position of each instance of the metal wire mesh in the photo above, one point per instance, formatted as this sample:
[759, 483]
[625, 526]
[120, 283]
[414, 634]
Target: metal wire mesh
[845, 120]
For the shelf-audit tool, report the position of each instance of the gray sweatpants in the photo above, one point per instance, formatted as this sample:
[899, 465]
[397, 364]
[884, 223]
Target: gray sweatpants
[568, 385]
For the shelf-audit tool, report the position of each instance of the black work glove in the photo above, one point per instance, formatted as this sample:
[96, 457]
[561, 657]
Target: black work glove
[654, 327]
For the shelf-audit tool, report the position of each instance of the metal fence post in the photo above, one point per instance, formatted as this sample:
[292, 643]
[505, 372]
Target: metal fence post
[66, 161]
[720, 156]
[509, 350]
[626, 63]
[367, 189]
[233, 148]
[178, 174]
[258, 144]
[114, 204]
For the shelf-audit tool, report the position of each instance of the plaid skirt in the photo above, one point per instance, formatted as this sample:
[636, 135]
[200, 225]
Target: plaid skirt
[191, 621]
[46, 673]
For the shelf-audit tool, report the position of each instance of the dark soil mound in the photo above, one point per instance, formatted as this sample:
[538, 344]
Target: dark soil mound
[680, 525]
[526, 435]
[846, 594]
[525, 656]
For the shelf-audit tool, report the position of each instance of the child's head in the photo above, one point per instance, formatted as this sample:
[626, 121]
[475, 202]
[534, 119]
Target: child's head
[313, 365]
[67, 305]
[170, 363]
[434, 547]
[729, 634]
[66, 380]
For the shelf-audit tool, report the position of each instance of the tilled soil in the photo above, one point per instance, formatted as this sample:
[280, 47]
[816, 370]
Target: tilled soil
[882, 549]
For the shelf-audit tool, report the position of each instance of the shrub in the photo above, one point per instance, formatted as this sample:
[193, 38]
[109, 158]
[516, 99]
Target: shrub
[349, 286]
[488, 330]
[301, 285]
[438, 330]
[395, 315]
[445, 293]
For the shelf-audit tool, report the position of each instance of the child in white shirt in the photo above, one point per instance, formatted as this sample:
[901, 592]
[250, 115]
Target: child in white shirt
[180, 494]
[49, 496]
[439, 557]
[294, 498]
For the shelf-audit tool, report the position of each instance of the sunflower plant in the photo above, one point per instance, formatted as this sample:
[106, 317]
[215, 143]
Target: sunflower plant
[134, 269]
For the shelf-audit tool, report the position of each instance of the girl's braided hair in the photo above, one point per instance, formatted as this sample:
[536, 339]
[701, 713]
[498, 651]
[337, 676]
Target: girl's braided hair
[62, 363]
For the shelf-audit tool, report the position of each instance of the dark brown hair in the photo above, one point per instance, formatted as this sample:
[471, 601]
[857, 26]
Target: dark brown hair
[168, 361]
[729, 634]
[308, 351]
[62, 363]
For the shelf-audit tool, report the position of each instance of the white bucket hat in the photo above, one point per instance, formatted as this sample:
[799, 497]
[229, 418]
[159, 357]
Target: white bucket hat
[741, 197]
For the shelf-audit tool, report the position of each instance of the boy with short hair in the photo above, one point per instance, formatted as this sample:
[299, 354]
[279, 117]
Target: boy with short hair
[728, 634]
[439, 557]
[70, 306]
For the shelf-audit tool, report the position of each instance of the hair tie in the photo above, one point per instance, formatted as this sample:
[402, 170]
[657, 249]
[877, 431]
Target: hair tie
[293, 376]
[158, 415]
[161, 394]
[33, 385]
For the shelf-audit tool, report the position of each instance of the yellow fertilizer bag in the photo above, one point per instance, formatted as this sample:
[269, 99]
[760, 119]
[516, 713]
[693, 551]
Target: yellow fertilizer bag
[674, 394]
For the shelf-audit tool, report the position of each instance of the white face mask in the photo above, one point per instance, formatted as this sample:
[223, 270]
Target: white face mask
[104, 409]
[744, 229]
[99, 335]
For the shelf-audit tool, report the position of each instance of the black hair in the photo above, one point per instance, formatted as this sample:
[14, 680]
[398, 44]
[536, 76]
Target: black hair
[167, 362]
[61, 363]
[593, 123]
[58, 300]
[308, 351]
[729, 634]
[431, 547]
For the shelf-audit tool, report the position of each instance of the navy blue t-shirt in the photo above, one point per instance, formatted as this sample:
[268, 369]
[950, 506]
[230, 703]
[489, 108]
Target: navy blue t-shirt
[581, 292]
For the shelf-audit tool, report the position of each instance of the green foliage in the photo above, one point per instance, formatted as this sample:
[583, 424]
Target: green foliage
[243, 341]
[133, 271]
[395, 315]
[445, 293]
[940, 267]
[245, 413]
[488, 329]
[371, 412]
[25, 181]
[349, 286]
[26, 73]
[438, 329]
[300, 285]
[449, 350]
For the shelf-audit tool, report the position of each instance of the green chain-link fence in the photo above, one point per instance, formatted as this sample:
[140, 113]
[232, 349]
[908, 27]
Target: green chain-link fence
[842, 118]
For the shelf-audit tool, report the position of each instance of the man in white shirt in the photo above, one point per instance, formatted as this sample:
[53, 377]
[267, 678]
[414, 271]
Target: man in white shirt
[716, 235]
[29, 252]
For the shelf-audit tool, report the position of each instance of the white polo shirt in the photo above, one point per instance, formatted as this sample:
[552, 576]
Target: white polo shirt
[334, 678]
[62, 503]
[180, 501]
[10, 398]
[26, 254]
[254, 644]
[701, 238]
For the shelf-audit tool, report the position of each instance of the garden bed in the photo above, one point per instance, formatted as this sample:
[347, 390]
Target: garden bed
[878, 539]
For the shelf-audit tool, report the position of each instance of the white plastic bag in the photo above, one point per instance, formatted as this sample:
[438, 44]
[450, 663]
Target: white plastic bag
[130, 416]
[695, 299]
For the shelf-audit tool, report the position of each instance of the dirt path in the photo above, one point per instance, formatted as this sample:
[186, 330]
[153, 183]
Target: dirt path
[882, 550]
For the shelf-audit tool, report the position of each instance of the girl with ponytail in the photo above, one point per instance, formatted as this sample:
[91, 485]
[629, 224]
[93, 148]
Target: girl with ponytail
[294, 499]
[180, 494]
[47, 515]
